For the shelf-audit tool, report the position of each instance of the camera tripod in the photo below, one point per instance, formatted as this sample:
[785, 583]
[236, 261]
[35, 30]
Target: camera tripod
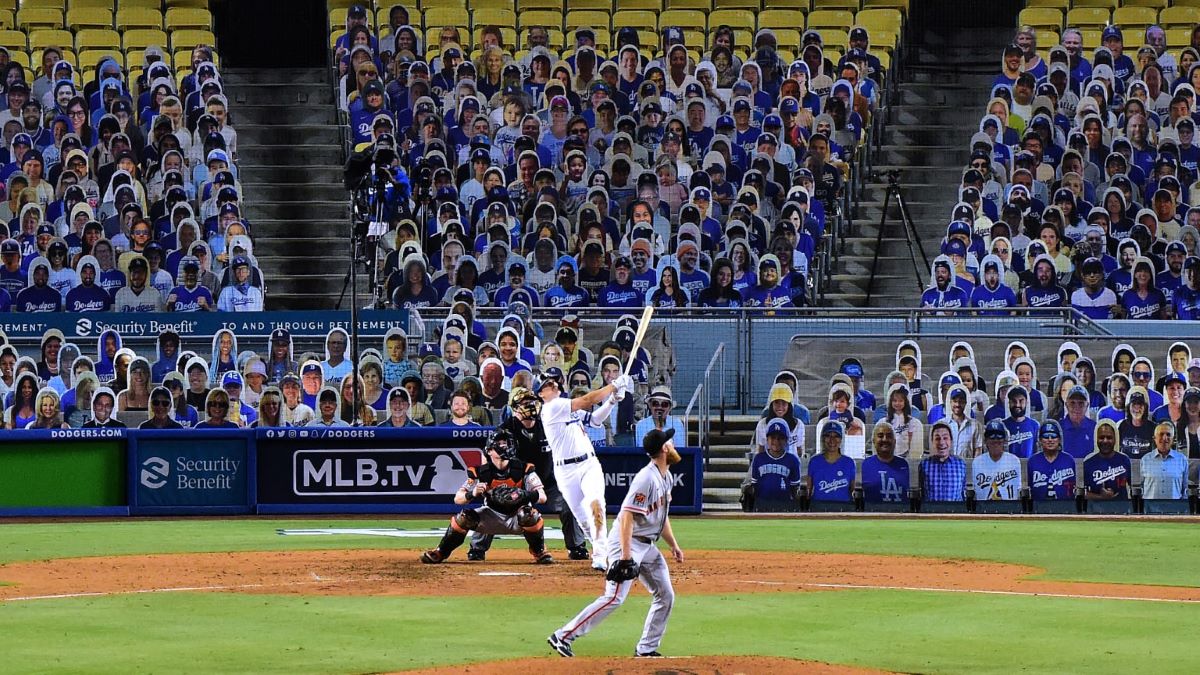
[911, 236]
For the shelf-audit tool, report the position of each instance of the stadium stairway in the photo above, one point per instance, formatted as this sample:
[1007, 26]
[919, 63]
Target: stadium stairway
[936, 109]
[729, 461]
[290, 152]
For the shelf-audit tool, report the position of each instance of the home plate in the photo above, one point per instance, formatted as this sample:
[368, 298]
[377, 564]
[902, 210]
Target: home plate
[505, 574]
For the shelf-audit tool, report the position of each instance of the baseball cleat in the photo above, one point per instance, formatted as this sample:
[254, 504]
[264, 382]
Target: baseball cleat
[542, 557]
[578, 553]
[432, 557]
[476, 555]
[599, 566]
[560, 645]
[648, 654]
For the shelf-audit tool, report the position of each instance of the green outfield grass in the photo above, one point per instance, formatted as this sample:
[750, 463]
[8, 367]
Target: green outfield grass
[897, 630]
[1160, 553]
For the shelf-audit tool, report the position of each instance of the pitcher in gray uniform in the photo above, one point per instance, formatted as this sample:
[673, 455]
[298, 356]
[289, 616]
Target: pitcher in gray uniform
[632, 553]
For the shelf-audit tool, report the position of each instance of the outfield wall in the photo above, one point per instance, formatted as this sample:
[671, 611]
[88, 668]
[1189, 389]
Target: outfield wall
[115, 472]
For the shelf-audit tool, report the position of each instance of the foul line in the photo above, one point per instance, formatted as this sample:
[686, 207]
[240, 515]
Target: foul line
[174, 589]
[1073, 596]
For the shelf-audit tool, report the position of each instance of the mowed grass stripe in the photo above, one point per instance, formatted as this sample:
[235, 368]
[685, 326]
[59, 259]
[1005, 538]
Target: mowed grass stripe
[896, 630]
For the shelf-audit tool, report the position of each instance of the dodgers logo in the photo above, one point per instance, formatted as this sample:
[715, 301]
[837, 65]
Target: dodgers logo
[155, 472]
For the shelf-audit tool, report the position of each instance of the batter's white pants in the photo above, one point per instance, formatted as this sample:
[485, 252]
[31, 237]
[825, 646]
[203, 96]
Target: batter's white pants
[582, 487]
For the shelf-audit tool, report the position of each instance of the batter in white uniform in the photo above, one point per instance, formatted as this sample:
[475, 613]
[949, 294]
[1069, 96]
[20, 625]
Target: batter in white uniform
[643, 519]
[576, 470]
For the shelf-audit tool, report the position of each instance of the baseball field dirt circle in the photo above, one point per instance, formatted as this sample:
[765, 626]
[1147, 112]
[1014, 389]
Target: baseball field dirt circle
[398, 572]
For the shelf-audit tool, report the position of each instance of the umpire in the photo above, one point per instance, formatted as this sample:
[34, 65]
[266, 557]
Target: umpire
[526, 427]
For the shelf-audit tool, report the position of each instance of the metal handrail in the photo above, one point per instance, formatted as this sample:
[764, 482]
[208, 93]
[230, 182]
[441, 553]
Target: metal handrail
[703, 396]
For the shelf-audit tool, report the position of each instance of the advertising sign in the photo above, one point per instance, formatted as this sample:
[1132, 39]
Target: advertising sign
[371, 323]
[63, 472]
[177, 472]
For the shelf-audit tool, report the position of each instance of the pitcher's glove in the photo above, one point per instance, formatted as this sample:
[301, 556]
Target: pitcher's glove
[508, 500]
[622, 570]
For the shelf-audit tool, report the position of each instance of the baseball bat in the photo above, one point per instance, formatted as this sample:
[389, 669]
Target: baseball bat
[643, 324]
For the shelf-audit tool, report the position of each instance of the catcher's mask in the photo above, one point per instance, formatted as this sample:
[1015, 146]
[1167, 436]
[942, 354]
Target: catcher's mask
[527, 403]
[502, 442]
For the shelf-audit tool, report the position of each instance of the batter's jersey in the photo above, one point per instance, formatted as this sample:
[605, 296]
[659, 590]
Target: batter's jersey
[564, 430]
[647, 501]
[997, 479]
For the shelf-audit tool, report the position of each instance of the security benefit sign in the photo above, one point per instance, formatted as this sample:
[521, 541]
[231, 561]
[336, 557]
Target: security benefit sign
[421, 469]
[190, 473]
[621, 464]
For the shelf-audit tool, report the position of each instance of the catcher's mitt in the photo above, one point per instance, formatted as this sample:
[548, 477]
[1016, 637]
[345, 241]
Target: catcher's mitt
[508, 500]
[622, 570]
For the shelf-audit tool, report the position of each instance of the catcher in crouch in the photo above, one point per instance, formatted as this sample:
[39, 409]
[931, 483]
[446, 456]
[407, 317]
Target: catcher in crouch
[509, 490]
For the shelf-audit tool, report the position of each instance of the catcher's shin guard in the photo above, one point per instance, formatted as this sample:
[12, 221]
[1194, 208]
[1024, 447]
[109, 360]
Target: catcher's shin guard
[534, 535]
[455, 535]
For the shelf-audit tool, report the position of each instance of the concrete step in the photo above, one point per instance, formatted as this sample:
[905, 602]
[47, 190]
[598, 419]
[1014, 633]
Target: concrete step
[254, 171]
[293, 155]
[311, 210]
[927, 174]
[958, 116]
[253, 113]
[240, 76]
[312, 231]
[724, 479]
[283, 244]
[721, 495]
[295, 191]
[297, 134]
[931, 135]
[729, 464]
[296, 93]
[952, 153]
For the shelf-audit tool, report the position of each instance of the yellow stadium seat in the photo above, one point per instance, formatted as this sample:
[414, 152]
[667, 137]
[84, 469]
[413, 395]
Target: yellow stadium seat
[743, 5]
[437, 17]
[524, 5]
[10, 5]
[1088, 17]
[190, 17]
[97, 38]
[337, 4]
[1102, 4]
[682, 18]
[787, 38]
[881, 21]
[734, 18]
[551, 18]
[1179, 17]
[494, 17]
[1178, 38]
[7, 21]
[1062, 5]
[802, 5]
[92, 4]
[145, 4]
[188, 38]
[599, 5]
[13, 39]
[140, 38]
[830, 18]
[1091, 37]
[586, 18]
[476, 5]
[200, 4]
[1041, 17]
[652, 5]
[89, 17]
[1155, 4]
[781, 18]
[898, 5]
[89, 59]
[39, 17]
[138, 17]
[637, 18]
[50, 37]
[60, 5]
[1134, 16]
[702, 5]
[1046, 39]
[848, 5]
[694, 39]
[183, 59]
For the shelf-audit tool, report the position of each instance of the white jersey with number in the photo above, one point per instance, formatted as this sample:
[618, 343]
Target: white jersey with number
[564, 430]
[998, 479]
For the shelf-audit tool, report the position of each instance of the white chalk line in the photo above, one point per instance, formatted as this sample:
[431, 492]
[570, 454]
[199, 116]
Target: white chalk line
[177, 589]
[930, 589]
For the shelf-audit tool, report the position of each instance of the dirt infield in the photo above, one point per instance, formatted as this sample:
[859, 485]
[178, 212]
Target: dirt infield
[398, 572]
[708, 665]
